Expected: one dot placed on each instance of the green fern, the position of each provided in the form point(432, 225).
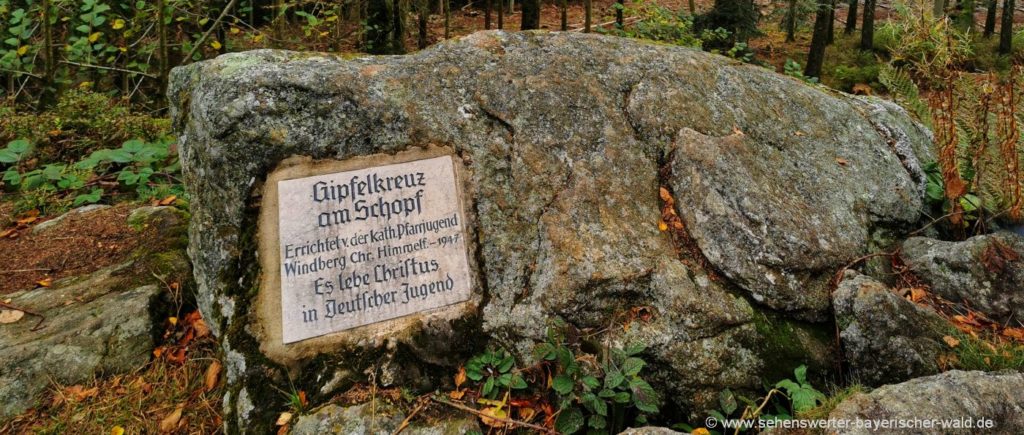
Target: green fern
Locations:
point(899, 83)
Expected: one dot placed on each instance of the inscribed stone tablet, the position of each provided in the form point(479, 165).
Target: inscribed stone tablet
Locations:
point(368, 245)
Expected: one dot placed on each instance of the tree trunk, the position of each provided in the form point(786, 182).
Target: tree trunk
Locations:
point(565, 15)
point(851, 18)
point(790, 22)
point(938, 8)
point(619, 8)
point(48, 95)
point(423, 14)
point(693, 7)
point(816, 56)
point(831, 23)
point(964, 15)
point(587, 10)
point(385, 28)
point(990, 18)
point(531, 15)
point(501, 14)
point(161, 46)
point(279, 23)
point(487, 14)
point(1006, 32)
point(447, 19)
point(867, 31)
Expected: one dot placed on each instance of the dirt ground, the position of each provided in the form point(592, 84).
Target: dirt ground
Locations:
point(81, 244)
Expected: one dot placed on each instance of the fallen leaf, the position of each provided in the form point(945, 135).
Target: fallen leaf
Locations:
point(170, 422)
point(736, 131)
point(527, 414)
point(302, 399)
point(665, 195)
point(917, 294)
point(6, 232)
point(201, 329)
point(700, 431)
point(457, 394)
point(27, 220)
point(662, 226)
point(1014, 333)
point(173, 320)
point(841, 161)
point(11, 316)
point(460, 377)
point(80, 393)
point(861, 89)
point(213, 375)
point(168, 200)
point(488, 415)
point(284, 418)
point(951, 341)
point(158, 352)
point(117, 430)
point(45, 282)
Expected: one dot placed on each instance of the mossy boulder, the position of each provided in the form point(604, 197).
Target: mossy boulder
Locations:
point(101, 323)
point(566, 141)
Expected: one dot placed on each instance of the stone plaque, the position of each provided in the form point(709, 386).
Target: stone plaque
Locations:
point(369, 245)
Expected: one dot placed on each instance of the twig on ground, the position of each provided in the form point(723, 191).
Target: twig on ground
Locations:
point(535, 427)
point(41, 317)
point(38, 269)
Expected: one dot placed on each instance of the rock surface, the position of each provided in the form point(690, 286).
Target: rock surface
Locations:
point(886, 338)
point(985, 272)
point(382, 419)
point(565, 139)
point(96, 324)
point(953, 395)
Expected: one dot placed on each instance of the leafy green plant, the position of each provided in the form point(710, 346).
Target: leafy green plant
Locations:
point(802, 395)
point(600, 396)
point(792, 68)
point(493, 371)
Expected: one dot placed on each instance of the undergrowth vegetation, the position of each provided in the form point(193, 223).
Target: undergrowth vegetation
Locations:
point(87, 150)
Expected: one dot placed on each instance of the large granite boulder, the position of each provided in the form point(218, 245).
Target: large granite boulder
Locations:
point(102, 323)
point(951, 402)
point(565, 141)
point(985, 272)
point(886, 338)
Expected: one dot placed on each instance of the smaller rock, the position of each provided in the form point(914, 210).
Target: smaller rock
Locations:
point(384, 419)
point(163, 218)
point(886, 338)
point(985, 272)
point(649, 430)
point(948, 398)
point(57, 220)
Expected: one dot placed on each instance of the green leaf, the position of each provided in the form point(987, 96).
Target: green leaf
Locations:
point(606, 393)
point(562, 384)
point(599, 406)
point(506, 364)
point(505, 379)
point(727, 401)
point(591, 382)
point(88, 198)
point(632, 366)
point(569, 421)
point(8, 156)
point(545, 350)
point(12, 177)
point(597, 422)
point(53, 172)
point(518, 382)
point(644, 397)
point(19, 146)
point(621, 397)
point(488, 386)
point(635, 348)
point(613, 378)
point(801, 374)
